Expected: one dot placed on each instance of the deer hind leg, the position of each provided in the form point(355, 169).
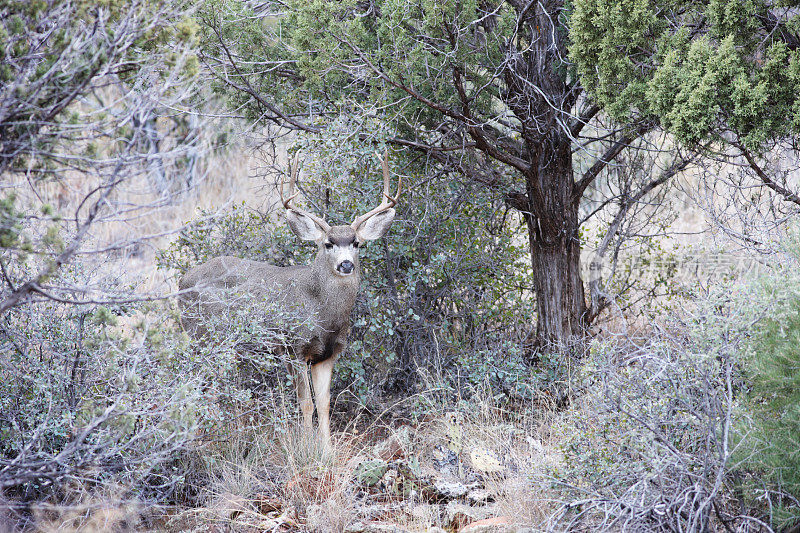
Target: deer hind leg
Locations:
point(303, 388)
point(321, 374)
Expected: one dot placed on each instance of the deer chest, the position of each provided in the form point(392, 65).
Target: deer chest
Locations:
point(323, 347)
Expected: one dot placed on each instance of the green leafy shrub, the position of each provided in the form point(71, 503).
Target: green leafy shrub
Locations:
point(87, 402)
point(773, 395)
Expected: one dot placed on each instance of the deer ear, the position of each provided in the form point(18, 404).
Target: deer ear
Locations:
point(303, 226)
point(375, 226)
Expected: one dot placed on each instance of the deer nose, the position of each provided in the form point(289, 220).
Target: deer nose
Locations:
point(346, 267)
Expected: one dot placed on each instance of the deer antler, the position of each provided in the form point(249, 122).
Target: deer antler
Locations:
point(293, 168)
point(387, 202)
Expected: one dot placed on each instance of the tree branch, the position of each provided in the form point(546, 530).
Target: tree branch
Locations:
point(583, 120)
point(479, 136)
point(23, 292)
point(602, 162)
point(599, 300)
point(788, 195)
point(247, 88)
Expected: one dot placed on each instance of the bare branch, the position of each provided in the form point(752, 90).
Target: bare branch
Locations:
point(787, 195)
point(599, 300)
point(602, 162)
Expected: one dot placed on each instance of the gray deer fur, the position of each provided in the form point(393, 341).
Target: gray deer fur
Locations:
point(315, 299)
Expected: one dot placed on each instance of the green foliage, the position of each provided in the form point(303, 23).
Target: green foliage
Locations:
point(330, 44)
point(56, 52)
point(10, 222)
point(370, 472)
point(241, 232)
point(448, 282)
point(500, 367)
point(699, 68)
point(773, 372)
point(235, 23)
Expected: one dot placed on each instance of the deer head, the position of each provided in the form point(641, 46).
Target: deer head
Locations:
point(338, 246)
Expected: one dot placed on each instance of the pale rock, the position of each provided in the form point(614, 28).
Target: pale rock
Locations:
point(485, 460)
point(267, 524)
point(373, 527)
point(388, 480)
point(443, 456)
point(449, 490)
point(535, 444)
point(498, 524)
point(479, 496)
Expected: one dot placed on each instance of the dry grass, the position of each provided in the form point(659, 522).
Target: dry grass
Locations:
point(281, 476)
point(513, 452)
point(286, 479)
point(262, 472)
point(86, 511)
point(275, 477)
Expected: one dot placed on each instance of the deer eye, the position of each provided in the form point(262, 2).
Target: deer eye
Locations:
point(328, 245)
point(355, 244)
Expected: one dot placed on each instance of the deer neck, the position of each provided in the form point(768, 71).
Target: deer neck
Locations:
point(336, 294)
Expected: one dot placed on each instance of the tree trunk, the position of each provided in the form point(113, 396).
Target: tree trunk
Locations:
point(552, 221)
point(560, 304)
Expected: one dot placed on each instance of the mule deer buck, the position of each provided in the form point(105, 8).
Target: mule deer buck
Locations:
point(321, 295)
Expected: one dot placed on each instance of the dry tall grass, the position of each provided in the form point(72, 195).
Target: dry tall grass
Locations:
point(283, 478)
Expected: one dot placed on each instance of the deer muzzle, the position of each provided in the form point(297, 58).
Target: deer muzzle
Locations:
point(346, 267)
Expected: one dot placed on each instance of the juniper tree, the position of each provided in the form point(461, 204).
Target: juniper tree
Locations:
point(721, 74)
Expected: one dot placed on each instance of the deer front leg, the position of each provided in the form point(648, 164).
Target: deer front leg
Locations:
point(303, 388)
point(321, 374)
